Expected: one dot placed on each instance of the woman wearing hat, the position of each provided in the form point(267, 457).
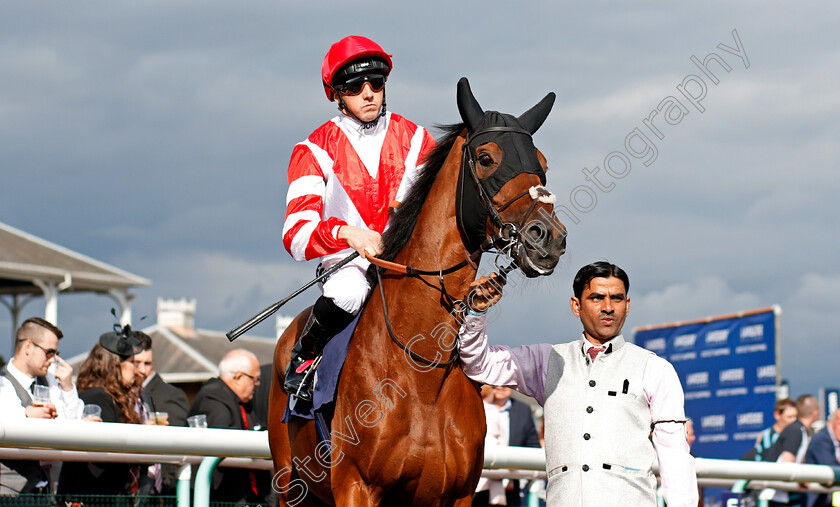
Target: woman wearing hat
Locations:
point(106, 378)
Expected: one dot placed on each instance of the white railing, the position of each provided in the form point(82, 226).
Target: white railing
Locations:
point(139, 438)
point(186, 445)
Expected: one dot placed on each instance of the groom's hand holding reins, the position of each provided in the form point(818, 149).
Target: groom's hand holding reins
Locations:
point(366, 242)
point(485, 292)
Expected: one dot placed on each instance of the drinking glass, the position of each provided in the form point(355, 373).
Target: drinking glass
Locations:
point(92, 411)
point(161, 418)
point(41, 396)
point(197, 421)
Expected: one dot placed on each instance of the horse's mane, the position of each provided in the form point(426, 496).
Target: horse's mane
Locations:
point(405, 217)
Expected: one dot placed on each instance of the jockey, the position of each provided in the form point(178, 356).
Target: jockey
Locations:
point(342, 180)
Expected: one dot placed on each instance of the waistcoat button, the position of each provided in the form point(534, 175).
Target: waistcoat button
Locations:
point(585, 468)
point(591, 383)
point(589, 410)
point(586, 436)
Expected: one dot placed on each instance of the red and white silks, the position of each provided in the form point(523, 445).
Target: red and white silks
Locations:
point(346, 175)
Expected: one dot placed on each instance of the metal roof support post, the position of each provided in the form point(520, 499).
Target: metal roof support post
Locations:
point(51, 290)
point(14, 308)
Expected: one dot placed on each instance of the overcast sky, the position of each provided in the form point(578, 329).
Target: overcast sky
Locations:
point(155, 136)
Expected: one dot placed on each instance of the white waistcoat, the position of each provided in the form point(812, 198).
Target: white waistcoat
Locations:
point(597, 427)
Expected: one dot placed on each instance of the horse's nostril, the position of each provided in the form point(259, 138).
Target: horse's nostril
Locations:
point(536, 233)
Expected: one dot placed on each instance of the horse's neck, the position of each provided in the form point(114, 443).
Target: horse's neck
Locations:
point(436, 243)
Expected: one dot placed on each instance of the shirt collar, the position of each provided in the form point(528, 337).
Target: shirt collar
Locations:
point(354, 127)
point(22, 378)
point(149, 379)
point(610, 346)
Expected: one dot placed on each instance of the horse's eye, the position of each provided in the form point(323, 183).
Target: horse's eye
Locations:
point(485, 160)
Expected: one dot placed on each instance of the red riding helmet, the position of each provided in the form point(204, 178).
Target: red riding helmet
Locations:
point(348, 49)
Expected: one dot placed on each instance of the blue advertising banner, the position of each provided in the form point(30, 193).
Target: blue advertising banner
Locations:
point(728, 369)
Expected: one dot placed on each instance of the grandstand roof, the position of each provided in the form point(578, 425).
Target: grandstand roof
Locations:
point(25, 258)
point(193, 355)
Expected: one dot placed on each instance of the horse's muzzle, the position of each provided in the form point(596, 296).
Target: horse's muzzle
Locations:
point(540, 249)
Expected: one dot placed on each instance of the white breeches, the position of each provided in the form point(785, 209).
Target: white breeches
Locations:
point(347, 287)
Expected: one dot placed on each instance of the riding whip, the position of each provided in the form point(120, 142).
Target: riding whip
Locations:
point(268, 312)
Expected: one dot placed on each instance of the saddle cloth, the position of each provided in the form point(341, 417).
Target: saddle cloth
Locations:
point(326, 379)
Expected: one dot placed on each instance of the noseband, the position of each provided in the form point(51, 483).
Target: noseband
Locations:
point(507, 240)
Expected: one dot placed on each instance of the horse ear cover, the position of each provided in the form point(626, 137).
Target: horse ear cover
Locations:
point(468, 107)
point(533, 118)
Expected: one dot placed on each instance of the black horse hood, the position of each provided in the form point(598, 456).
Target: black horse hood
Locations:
point(519, 155)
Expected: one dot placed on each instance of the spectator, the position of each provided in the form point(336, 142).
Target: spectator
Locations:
point(791, 445)
point(36, 349)
point(158, 396)
point(784, 413)
point(516, 428)
point(225, 402)
point(824, 449)
point(795, 437)
point(491, 491)
point(106, 379)
point(261, 392)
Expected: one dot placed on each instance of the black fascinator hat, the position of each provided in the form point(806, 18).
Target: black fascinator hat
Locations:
point(120, 342)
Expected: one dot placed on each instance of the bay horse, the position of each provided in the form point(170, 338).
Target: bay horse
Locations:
point(408, 426)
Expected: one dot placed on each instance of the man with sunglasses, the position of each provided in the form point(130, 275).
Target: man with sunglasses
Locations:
point(342, 181)
point(36, 349)
point(36, 344)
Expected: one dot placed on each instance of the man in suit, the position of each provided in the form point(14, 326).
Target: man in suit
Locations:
point(515, 428)
point(260, 401)
point(225, 400)
point(158, 396)
point(824, 449)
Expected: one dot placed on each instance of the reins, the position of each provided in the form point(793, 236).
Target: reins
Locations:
point(506, 239)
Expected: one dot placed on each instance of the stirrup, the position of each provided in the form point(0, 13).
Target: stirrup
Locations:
point(305, 384)
point(308, 380)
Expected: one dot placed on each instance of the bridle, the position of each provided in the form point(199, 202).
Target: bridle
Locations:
point(505, 241)
point(509, 234)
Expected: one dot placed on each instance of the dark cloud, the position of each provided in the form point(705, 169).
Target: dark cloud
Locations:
point(155, 136)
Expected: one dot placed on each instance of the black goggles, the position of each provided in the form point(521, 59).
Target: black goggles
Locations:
point(354, 85)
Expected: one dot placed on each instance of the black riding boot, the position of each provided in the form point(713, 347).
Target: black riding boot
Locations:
point(324, 322)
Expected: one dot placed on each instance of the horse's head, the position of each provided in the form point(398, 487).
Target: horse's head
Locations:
point(502, 201)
